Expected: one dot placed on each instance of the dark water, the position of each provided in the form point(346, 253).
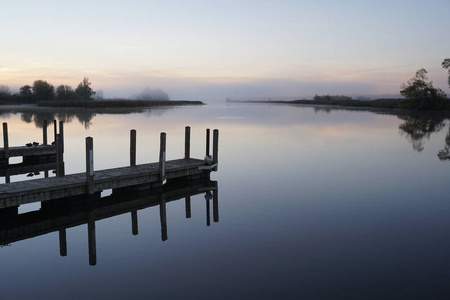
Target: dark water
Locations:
point(310, 204)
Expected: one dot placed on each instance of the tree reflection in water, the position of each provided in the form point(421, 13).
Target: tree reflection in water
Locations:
point(419, 126)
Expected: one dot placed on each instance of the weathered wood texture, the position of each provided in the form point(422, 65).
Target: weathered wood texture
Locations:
point(43, 189)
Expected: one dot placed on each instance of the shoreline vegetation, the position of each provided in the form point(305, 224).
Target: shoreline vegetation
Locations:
point(117, 103)
point(384, 103)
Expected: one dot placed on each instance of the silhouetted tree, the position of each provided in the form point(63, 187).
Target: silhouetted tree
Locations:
point(42, 91)
point(84, 90)
point(446, 65)
point(65, 92)
point(5, 92)
point(26, 93)
point(420, 93)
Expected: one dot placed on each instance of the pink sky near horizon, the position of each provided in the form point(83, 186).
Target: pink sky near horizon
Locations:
point(214, 49)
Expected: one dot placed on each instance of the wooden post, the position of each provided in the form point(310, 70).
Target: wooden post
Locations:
point(91, 239)
point(55, 129)
point(215, 147)
point(162, 156)
point(215, 205)
point(5, 140)
point(62, 242)
point(187, 142)
point(59, 157)
point(187, 202)
point(44, 133)
point(163, 218)
point(89, 165)
point(207, 141)
point(134, 222)
point(61, 133)
point(132, 147)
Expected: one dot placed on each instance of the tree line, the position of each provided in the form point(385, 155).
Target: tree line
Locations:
point(41, 90)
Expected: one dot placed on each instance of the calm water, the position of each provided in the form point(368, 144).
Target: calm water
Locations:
point(312, 204)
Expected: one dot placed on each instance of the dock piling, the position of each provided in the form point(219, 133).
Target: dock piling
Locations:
point(59, 156)
point(55, 129)
point(89, 165)
point(132, 147)
point(187, 142)
point(207, 141)
point(44, 133)
point(215, 147)
point(5, 140)
point(61, 133)
point(162, 156)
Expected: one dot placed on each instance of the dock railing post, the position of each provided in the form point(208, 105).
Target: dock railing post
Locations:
point(89, 165)
point(215, 147)
point(132, 147)
point(207, 141)
point(162, 156)
point(187, 142)
point(44, 133)
point(59, 156)
point(5, 140)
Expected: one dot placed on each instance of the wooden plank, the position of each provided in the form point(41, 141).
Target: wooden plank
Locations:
point(17, 193)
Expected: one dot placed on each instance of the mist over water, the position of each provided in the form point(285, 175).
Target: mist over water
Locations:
point(313, 203)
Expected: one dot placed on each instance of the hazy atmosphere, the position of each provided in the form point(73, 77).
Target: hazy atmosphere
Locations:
point(211, 50)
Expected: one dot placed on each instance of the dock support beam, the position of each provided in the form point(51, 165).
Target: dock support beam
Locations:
point(215, 147)
point(162, 157)
point(61, 133)
point(187, 142)
point(89, 165)
point(132, 147)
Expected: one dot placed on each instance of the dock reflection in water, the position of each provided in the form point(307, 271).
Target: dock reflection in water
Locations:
point(59, 215)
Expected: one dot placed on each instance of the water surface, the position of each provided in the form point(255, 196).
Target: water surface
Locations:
point(313, 204)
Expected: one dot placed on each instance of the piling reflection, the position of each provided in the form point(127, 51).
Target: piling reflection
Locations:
point(61, 214)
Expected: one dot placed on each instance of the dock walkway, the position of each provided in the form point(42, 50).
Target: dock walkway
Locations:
point(134, 176)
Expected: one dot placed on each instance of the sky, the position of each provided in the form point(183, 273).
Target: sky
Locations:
point(211, 50)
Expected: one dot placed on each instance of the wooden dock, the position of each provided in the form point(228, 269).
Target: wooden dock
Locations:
point(58, 216)
point(33, 151)
point(90, 182)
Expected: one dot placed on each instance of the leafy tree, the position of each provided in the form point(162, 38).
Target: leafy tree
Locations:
point(446, 65)
point(420, 93)
point(84, 91)
point(26, 93)
point(42, 90)
point(65, 92)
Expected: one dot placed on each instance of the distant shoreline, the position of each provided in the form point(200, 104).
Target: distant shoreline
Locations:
point(117, 103)
point(391, 103)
